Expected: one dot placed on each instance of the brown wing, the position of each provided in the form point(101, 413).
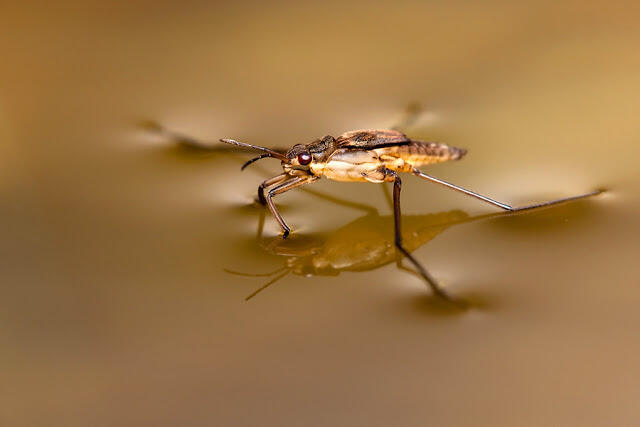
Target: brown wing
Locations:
point(370, 139)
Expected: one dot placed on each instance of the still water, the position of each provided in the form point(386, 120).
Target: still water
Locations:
point(141, 284)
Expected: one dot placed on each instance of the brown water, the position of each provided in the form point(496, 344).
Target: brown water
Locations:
point(118, 304)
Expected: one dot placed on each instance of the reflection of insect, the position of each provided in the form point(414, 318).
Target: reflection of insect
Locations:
point(364, 156)
point(362, 245)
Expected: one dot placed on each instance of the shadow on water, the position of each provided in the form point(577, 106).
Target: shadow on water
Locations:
point(434, 306)
point(188, 147)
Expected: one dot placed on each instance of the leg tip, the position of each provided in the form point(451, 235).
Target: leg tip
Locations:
point(285, 234)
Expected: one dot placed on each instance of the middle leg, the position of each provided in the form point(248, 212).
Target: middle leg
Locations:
point(397, 216)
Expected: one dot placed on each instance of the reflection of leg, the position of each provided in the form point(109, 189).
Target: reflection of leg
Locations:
point(239, 273)
point(260, 225)
point(424, 275)
point(397, 216)
point(501, 205)
point(281, 188)
point(266, 285)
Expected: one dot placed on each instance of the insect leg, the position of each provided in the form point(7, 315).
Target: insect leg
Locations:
point(501, 205)
point(397, 217)
point(281, 188)
point(269, 182)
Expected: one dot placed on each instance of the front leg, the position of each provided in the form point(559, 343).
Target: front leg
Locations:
point(269, 182)
point(281, 188)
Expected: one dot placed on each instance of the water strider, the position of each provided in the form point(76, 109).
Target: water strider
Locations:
point(375, 156)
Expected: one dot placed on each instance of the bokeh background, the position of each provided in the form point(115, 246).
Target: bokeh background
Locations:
point(116, 302)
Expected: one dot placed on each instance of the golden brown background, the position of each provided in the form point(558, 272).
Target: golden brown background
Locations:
point(115, 309)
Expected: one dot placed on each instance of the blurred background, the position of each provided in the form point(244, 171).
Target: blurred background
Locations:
point(118, 302)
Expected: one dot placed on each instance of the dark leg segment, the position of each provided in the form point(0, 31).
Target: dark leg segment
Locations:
point(281, 188)
point(267, 183)
point(397, 216)
point(501, 205)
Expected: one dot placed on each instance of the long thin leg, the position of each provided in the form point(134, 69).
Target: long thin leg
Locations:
point(397, 217)
point(437, 290)
point(501, 205)
point(269, 182)
point(281, 188)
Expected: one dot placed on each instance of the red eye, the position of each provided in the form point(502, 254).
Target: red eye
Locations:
point(304, 158)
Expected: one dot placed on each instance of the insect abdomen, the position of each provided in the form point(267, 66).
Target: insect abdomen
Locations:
point(417, 153)
point(351, 166)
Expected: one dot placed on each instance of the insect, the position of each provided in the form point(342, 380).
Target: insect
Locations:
point(374, 156)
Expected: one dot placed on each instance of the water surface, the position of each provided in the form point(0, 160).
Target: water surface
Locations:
point(119, 304)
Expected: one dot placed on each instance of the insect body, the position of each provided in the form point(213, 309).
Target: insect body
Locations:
point(365, 156)
point(349, 162)
point(357, 156)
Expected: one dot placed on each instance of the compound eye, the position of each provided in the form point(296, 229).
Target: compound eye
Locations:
point(304, 158)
